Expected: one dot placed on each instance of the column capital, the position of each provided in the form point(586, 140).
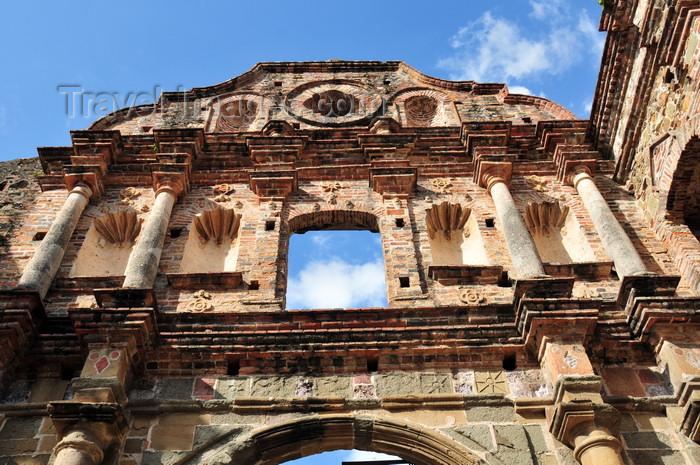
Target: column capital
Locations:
point(571, 170)
point(87, 183)
point(488, 173)
point(175, 183)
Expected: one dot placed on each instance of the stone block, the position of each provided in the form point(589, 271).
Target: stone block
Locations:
point(47, 390)
point(273, 386)
point(20, 427)
point(397, 384)
point(436, 383)
point(491, 414)
point(647, 440)
point(656, 457)
point(175, 431)
point(177, 388)
point(14, 447)
point(231, 388)
point(474, 437)
point(330, 386)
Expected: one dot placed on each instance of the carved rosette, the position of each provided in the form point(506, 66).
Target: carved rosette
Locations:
point(545, 217)
point(219, 225)
point(119, 228)
point(200, 302)
point(446, 217)
point(441, 185)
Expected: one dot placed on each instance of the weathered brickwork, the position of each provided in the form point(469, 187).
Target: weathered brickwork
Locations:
point(541, 271)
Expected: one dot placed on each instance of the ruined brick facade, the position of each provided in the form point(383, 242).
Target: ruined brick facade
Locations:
point(541, 271)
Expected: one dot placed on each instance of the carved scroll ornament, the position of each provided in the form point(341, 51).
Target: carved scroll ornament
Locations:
point(219, 225)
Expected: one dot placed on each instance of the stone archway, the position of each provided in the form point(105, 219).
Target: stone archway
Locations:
point(308, 436)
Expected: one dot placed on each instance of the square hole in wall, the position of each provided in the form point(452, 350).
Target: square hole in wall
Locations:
point(335, 269)
point(490, 222)
point(39, 236)
point(404, 281)
point(270, 225)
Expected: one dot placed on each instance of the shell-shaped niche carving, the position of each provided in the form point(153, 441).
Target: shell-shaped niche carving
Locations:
point(446, 217)
point(237, 113)
point(119, 228)
point(421, 110)
point(218, 225)
point(545, 217)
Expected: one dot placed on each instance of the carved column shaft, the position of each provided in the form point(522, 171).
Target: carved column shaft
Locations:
point(526, 260)
point(615, 240)
point(142, 267)
point(78, 447)
point(43, 266)
point(595, 446)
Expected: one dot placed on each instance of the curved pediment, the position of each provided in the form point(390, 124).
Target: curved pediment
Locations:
point(331, 94)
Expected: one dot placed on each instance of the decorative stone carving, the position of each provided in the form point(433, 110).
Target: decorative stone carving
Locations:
point(332, 199)
point(421, 110)
point(219, 225)
point(120, 227)
point(536, 183)
point(331, 186)
point(491, 382)
point(545, 217)
point(446, 217)
point(128, 194)
point(470, 296)
point(223, 188)
point(200, 302)
point(349, 205)
point(442, 185)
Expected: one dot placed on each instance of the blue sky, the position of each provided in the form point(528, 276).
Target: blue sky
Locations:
point(549, 48)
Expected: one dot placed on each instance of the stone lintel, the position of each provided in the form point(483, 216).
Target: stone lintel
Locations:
point(488, 172)
point(180, 140)
point(273, 184)
point(649, 284)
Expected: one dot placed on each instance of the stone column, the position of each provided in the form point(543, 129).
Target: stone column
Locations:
point(596, 446)
point(579, 417)
point(43, 266)
point(615, 240)
point(526, 260)
point(78, 447)
point(142, 266)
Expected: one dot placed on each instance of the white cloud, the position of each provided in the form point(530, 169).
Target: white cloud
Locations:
point(320, 240)
point(337, 284)
point(494, 49)
point(519, 90)
point(366, 456)
point(588, 105)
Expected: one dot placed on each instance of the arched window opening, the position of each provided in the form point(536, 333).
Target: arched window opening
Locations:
point(335, 260)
